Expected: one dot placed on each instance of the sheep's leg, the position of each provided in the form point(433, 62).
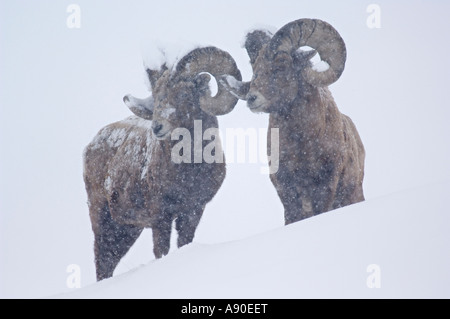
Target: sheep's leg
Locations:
point(323, 198)
point(289, 195)
point(186, 224)
point(112, 242)
point(292, 202)
point(349, 196)
point(293, 212)
point(161, 237)
point(301, 203)
point(323, 195)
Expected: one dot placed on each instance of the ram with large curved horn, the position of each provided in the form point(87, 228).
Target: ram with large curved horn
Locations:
point(321, 164)
point(132, 179)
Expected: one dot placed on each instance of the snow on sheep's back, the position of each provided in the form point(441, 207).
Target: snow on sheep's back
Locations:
point(391, 247)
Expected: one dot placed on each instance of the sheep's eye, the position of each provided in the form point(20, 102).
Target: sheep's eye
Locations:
point(280, 66)
point(183, 94)
point(114, 197)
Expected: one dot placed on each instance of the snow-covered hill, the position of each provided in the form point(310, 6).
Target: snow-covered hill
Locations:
point(60, 85)
point(397, 246)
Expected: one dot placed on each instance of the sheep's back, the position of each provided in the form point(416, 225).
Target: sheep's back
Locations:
point(117, 160)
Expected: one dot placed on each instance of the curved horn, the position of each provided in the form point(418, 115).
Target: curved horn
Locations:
point(218, 63)
point(322, 37)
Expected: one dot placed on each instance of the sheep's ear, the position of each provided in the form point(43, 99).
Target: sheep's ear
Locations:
point(255, 41)
point(140, 107)
point(154, 75)
point(306, 55)
point(202, 81)
point(302, 59)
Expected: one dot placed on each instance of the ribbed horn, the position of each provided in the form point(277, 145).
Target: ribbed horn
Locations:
point(318, 35)
point(218, 63)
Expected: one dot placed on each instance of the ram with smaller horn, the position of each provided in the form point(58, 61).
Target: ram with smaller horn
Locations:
point(321, 162)
point(132, 182)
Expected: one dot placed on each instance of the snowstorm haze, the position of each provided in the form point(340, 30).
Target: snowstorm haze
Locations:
point(59, 86)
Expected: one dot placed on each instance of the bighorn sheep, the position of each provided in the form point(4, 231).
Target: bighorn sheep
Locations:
point(321, 164)
point(130, 179)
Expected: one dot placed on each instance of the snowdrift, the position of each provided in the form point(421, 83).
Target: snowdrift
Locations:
point(397, 246)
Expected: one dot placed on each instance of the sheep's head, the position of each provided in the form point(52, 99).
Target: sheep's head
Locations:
point(282, 72)
point(178, 95)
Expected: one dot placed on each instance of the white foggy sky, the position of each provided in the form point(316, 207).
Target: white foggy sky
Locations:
point(60, 86)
